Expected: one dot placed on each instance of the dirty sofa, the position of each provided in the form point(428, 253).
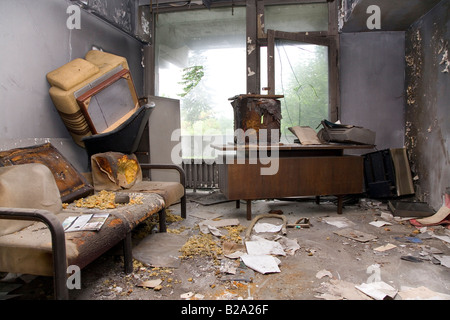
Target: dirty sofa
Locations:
point(33, 241)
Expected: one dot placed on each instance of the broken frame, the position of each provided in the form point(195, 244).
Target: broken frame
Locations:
point(103, 116)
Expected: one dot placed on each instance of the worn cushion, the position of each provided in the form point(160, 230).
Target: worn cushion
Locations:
point(115, 171)
point(27, 186)
point(29, 251)
point(172, 192)
point(71, 74)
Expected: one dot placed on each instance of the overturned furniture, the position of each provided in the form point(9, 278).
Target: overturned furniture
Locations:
point(98, 103)
point(94, 95)
point(27, 246)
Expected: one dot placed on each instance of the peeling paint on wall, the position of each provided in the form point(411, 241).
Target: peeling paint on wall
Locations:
point(413, 66)
point(426, 113)
point(445, 61)
point(345, 11)
point(250, 49)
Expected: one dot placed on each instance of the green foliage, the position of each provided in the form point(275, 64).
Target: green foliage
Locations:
point(305, 90)
point(304, 86)
point(191, 77)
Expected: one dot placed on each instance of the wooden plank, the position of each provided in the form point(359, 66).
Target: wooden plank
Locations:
point(403, 177)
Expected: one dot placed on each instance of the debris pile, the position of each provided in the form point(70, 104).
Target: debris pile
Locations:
point(106, 200)
point(223, 259)
point(201, 245)
point(410, 247)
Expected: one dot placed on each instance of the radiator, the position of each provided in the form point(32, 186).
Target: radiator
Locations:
point(201, 175)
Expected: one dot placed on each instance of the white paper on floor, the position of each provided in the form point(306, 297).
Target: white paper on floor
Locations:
point(444, 260)
point(266, 227)
point(263, 264)
point(340, 222)
point(264, 247)
point(378, 290)
point(379, 223)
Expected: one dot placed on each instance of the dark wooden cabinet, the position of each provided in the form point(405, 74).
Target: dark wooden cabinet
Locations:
point(301, 171)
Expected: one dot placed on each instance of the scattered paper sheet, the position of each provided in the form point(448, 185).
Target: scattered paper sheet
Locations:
point(266, 227)
point(263, 264)
point(264, 247)
point(340, 222)
point(306, 135)
point(442, 213)
point(444, 260)
point(85, 222)
point(289, 245)
point(215, 231)
point(340, 290)
point(443, 238)
point(378, 290)
point(386, 247)
point(228, 266)
point(233, 250)
point(150, 283)
point(187, 295)
point(380, 223)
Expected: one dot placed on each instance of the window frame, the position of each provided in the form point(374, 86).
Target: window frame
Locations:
point(329, 38)
point(257, 38)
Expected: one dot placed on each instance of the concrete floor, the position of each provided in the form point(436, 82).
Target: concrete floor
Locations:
point(342, 262)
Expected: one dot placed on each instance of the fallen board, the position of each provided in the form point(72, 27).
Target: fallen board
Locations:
point(410, 209)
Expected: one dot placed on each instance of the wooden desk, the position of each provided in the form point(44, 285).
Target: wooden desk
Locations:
point(303, 170)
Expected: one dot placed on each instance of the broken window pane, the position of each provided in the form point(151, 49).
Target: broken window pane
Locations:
point(296, 18)
point(301, 75)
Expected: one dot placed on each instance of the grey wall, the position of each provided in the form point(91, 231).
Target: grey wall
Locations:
point(35, 40)
point(372, 68)
point(428, 100)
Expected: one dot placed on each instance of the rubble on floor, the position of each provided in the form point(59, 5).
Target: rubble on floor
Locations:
point(299, 251)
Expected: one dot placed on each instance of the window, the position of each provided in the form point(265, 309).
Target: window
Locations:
point(200, 59)
point(298, 59)
point(296, 17)
point(301, 75)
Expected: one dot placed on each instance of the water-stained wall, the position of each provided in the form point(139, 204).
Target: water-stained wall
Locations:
point(427, 127)
point(36, 39)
